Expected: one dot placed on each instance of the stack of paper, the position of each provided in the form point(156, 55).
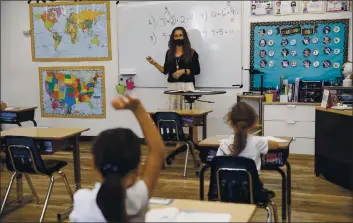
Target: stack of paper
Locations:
point(176, 215)
point(162, 215)
point(187, 216)
point(161, 201)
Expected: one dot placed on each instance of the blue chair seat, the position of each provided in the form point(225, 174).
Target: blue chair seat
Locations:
point(53, 166)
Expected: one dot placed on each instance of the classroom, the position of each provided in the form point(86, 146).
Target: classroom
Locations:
point(176, 111)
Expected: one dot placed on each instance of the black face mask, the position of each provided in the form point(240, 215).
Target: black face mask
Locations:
point(179, 42)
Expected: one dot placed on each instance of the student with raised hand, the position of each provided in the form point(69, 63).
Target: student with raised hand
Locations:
point(120, 196)
point(242, 118)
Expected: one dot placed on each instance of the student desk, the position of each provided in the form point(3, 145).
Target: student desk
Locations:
point(196, 117)
point(22, 114)
point(274, 160)
point(239, 212)
point(57, 136)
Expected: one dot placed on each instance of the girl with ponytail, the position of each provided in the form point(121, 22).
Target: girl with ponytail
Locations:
point(242, 118)
point(120, 197)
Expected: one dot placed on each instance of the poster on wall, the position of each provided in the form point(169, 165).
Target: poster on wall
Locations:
point(72, 92)
point(70, 31)
point(313, 6)
point(338, 6)
point(286, 7)
point(261, 8)
point(309, 50)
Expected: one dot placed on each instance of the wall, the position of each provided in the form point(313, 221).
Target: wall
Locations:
point(20, 83)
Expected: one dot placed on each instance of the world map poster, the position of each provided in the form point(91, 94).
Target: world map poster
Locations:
point(70, 31)
point(72, 92)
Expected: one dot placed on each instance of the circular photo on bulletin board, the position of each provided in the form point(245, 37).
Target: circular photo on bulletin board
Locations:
point(309, 50)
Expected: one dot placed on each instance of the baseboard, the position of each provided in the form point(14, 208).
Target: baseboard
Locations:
point(92, 138)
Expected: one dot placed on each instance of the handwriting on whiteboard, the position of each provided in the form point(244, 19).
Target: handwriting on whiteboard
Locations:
point(168, 20)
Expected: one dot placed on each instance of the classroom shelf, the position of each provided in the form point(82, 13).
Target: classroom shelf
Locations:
point(338, 88)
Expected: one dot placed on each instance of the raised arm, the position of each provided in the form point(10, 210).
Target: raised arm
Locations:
point(153, 138)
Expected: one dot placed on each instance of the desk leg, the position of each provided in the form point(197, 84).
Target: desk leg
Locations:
point(19, 186)
point(284, 194)
point(202, 176)
point(204, 127)
point(289, 190)
point(34, 122)
point(77, 165)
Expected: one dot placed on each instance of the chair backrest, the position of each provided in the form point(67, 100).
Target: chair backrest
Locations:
point(170, 126)
point(22, 155)
point(234, 179)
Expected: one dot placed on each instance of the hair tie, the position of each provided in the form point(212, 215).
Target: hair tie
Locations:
point(110, 168)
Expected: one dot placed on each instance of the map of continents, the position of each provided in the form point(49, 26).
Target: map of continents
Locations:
point(72, 92)
point(70, 31)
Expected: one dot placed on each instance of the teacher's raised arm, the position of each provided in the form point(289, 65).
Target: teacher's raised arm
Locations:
point(181, 65)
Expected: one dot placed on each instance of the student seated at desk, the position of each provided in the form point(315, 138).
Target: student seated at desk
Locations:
point(116, 157)
point(242, 118)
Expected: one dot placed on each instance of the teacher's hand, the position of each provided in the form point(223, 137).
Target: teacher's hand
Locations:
point(150, 60)
point(178, 73)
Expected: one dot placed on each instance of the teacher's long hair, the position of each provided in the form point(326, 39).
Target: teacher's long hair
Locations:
point(188, 51)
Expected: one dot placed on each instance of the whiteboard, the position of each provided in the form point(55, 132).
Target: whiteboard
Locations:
point(214, 29)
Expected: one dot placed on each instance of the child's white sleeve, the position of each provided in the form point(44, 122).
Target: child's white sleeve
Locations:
point(136, 198)
point(223, 149)
point(262, 145)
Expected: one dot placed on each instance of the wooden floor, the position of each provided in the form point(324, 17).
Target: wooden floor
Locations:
point(313, 199)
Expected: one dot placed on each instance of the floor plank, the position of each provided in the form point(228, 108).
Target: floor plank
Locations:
point(313, 199)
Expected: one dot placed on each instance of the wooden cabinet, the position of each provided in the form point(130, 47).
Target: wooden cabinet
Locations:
point(334, 146)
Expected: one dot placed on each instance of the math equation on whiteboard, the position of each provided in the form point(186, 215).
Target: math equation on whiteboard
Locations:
point(217, 22)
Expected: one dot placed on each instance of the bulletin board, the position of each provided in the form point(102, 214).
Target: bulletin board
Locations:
point(309, 50)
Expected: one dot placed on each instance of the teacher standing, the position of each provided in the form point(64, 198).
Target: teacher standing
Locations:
point(181, 65)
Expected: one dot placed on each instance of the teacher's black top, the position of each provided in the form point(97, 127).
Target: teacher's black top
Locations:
point(193, 66)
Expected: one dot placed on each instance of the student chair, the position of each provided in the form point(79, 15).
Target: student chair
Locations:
point(171, 130)
point(235, 179)
point(23, 158)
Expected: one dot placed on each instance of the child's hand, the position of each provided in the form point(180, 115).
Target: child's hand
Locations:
point(126, 102)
